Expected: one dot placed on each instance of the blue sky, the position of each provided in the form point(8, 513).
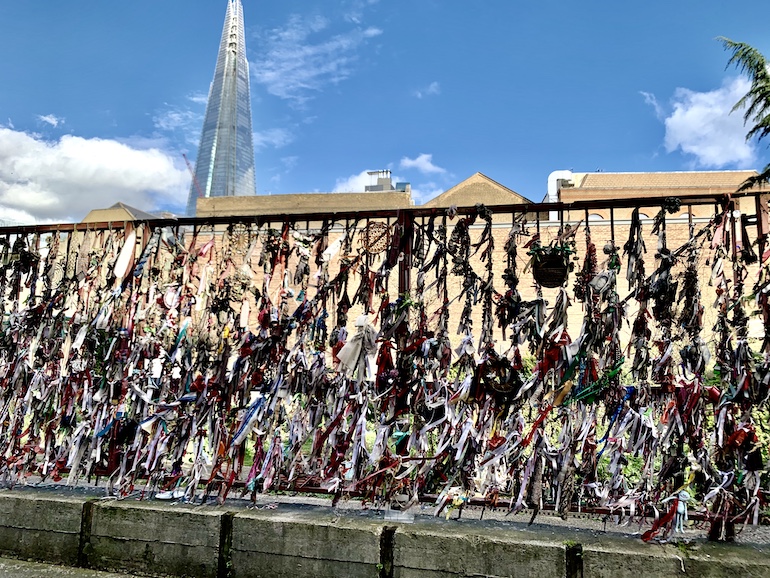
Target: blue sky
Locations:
point(99, 100)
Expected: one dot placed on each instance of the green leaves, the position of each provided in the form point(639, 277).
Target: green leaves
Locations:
point(756, 101)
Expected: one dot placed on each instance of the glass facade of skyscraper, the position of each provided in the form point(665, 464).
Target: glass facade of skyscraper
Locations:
point(225, 164)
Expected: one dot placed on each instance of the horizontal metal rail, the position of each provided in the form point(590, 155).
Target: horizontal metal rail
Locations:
point(720, 200)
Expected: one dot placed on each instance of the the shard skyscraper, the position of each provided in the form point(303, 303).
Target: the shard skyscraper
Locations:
point(225, 164)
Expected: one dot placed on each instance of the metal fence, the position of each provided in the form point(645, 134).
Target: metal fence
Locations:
point(483, 354)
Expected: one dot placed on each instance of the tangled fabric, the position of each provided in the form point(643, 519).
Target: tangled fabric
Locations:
point(415, 359)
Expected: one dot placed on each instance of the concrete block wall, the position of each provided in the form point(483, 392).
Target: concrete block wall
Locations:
point(613, 558)
point(304, 544)
point(40, 527)
point(149, 538)
point(431, 551)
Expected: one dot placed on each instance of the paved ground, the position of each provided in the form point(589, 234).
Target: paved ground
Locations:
point(20, 569)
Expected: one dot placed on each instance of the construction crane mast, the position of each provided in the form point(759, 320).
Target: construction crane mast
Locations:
point(192, 172)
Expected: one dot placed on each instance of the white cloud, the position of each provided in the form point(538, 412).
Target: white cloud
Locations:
point(357, 183)
point(185, 122)
point(12, 217)
point(650, 99)
point(423, 163)
point(10, 123)
point(290, 162)
point(356, 10)
point(294, 65)
point(156, 141)
point(701, 126)
point(62, 180)
point(424, 192)
point(287, 165)
point(174, 119)
point(432, 89)
point(50, 119)
point(198, 97)
point(353, 183)
point(272, 137)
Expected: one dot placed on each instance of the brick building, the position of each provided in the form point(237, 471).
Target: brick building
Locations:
point(565, 188)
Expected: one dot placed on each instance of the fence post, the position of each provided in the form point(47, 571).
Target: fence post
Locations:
point(760, 204)
point(406, 227)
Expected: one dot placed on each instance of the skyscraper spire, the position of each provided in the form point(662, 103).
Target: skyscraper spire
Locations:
point(225, 164)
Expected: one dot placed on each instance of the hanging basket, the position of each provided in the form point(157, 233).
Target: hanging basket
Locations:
point(551, 269)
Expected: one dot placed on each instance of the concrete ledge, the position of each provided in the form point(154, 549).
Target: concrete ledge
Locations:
point(433, 550)
point(295, 541)
point(615, 557)
point(297, 544)
point(155, 539)
point(40, 527)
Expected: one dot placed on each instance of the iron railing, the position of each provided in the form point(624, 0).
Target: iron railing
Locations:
point(502, 366)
